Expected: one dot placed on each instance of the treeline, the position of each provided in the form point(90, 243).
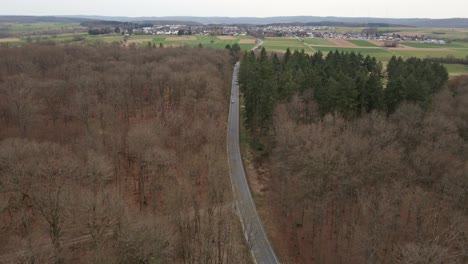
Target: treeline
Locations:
point(103, 31)
point(346, 84)
point(101, 24)
point(376, 189)
point(360, 164)
point(234, 51)
point(107, 27)
point(115, 155)
point(413, 80)
point(450, 60)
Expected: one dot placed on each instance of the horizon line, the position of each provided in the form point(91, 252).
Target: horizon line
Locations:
point(259, 17)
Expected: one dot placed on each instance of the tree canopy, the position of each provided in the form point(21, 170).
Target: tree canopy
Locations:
point(345, 84)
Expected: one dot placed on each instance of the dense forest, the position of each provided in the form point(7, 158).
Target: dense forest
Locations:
point(115, 155)
point(344, 84)
point(364, 164)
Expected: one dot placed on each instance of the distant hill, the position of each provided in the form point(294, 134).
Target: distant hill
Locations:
point(412, 22)
point(90, 19)
point(36, 19)
point(153, 20)
point(191, 20)
point(172, 22)
point(338, 24)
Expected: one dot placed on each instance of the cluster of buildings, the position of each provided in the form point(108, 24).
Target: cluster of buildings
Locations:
point(390, 39)
point(303, 31)
point(191, 30)
point(420, 39)
point(335, 35)
point(289, 30)
point(434, 41)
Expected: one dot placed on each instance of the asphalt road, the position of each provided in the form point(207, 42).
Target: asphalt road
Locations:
point(255, 235)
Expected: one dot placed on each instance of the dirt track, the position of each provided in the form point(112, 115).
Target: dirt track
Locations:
point(342, 43)
point(139, 40)
point(226, 37)
point(247, 41)
point(377, 42)
point(3, 40)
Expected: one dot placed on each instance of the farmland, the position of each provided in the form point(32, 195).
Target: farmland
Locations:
point(380, 54)
point(318, 42)
point(409, 49)
point(362, 43)
point(445, 33)
point(456, 45)
point(456, 69)
point(37, 27)
point(281, 44)
point(425, 53)
point(205, 41)
point(276, 44)
point(245, 42)
point(73, 33)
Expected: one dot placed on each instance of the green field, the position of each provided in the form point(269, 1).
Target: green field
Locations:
point(318, 42)
point(455, 49)
point(84, 38)
point(456, 69)
point(103, 38)
point(61, 38)
point(457, 53)
point(206, 41)
point(456, 45)
point(381, 54)
point(11, 42)
point(37, 27)
point(79, 38)
point(378, 53)
point(356, 50)
point(361, 43)
point(280, 44)
point(438, 33)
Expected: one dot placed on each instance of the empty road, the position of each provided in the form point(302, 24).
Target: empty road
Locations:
point(259, 43)
point(261, 249)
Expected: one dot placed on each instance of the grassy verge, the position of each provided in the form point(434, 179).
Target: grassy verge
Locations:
point(355, 50)
point(456, 69)
point(361, 43)
point(248, 154)
point(435, 46)
point(243, 133)
point(318, 42)
point(459, 53)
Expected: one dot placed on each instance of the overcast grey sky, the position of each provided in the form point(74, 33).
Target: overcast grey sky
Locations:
point(237, 8)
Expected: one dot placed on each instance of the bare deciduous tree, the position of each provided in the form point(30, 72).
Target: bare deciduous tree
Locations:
point(44, 172)
point(19, 92)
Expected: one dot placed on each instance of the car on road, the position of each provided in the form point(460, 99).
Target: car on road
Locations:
point(232, 101)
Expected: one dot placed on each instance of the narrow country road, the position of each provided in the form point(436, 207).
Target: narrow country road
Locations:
point(255, 235)
point(259, 43)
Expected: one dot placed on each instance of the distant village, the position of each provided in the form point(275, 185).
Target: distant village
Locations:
point(302, 31)
point(191, 30)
